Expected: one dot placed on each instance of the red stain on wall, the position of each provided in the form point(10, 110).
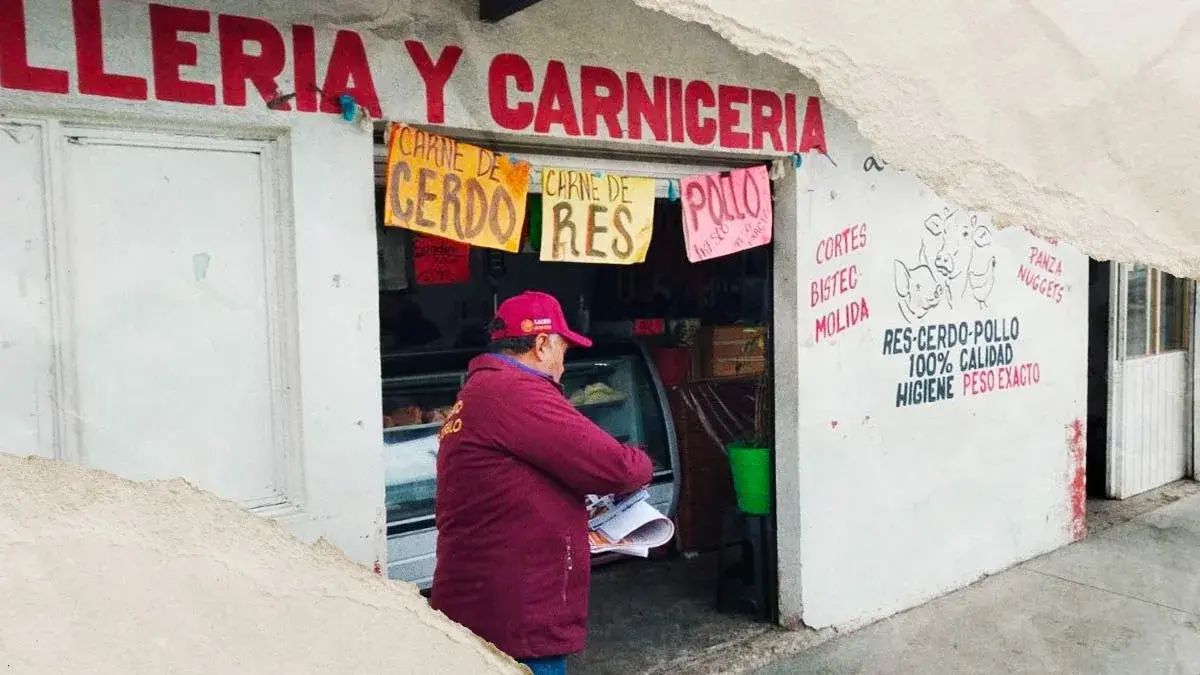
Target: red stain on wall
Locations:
point(378, 568)
point(1077, 478)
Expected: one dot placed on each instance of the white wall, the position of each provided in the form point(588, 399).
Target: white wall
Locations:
point(788, 334)
point(326, 178)
point(398, 35)
point(899, 504)
point(892, 506)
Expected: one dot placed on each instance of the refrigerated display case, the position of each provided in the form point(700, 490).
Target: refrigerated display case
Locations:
point(614, 383)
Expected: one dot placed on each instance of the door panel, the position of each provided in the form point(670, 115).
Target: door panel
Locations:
point(1150, 400)
point(171, 322)
point(1154, 424)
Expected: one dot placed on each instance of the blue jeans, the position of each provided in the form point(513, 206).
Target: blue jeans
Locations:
point(550, 665)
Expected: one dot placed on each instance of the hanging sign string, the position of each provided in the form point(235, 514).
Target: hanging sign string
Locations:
point(673, 184)
point(348, 107)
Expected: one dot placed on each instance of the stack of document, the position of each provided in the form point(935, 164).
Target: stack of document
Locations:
point(628, 525)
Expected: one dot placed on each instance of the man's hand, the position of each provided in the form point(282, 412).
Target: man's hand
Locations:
point(622, 497)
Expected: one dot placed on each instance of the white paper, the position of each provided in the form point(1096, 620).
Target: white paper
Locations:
point(630, 526)
point(603, 509)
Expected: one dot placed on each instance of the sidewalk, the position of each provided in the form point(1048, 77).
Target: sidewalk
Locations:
point(1126, 600)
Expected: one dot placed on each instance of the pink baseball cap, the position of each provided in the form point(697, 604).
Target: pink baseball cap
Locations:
point(533, 313)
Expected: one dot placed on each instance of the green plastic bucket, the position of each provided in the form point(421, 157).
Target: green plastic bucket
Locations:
point(751, 468)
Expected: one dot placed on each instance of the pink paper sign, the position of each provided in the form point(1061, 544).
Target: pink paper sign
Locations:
point(725, 213)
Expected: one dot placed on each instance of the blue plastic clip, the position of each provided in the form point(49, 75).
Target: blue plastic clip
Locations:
point(797, 160)
point(672, 190)
point(349, 107)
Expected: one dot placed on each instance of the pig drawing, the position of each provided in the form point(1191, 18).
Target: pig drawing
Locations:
point(955, 236)
point(919, 290)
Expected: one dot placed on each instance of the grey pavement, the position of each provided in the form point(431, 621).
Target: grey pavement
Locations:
point(1125, 600)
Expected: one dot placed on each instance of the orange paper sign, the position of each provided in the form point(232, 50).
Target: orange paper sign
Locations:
point(437, 185)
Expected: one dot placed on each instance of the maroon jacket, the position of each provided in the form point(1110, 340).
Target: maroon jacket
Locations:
point(513, 467)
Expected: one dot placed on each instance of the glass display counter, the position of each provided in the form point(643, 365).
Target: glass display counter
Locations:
point(613, 383)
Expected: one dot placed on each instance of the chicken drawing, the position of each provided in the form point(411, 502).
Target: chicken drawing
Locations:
point(981, 282)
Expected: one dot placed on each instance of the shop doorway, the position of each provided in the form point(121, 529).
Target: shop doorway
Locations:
point(681, 367)
point(1141, 372)
point(1099, 363)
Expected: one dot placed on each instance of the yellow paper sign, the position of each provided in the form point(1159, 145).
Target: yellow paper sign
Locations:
point(596, 217)
point(437, 185)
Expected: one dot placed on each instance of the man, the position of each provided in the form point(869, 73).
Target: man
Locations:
point(515, 462)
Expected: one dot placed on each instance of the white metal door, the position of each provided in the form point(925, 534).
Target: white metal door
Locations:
point(1150, 392)
point(171, 277)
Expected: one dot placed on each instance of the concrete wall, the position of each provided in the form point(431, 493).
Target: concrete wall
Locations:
point(132, 76)
point(914, 482)
point(788, 334)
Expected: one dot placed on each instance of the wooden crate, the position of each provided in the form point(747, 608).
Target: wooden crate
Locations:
point(733, 351)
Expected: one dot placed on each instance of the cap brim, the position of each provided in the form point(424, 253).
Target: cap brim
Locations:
point(575, 339)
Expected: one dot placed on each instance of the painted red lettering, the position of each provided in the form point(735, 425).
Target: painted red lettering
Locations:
point(169, 53)
point(238, 66)
point(730, 118)
point(697, 95)
point(304, 55)
point(766, 115)
point(435, 74)
point(838, 283)
point(1044, 261)
point(555, 105)
point(789, 120)
point(643, 108)
point(979, 382)
point(838, 321)
point(349, 73)
point(812, 136)
point(847, 241)
point(15, 71)
point(504, 67)
point(594, 105)
point(89, 55)
point(675, 102)
point(1043, 285)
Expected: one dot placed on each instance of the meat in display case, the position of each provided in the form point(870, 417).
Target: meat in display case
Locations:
point(613, 383)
